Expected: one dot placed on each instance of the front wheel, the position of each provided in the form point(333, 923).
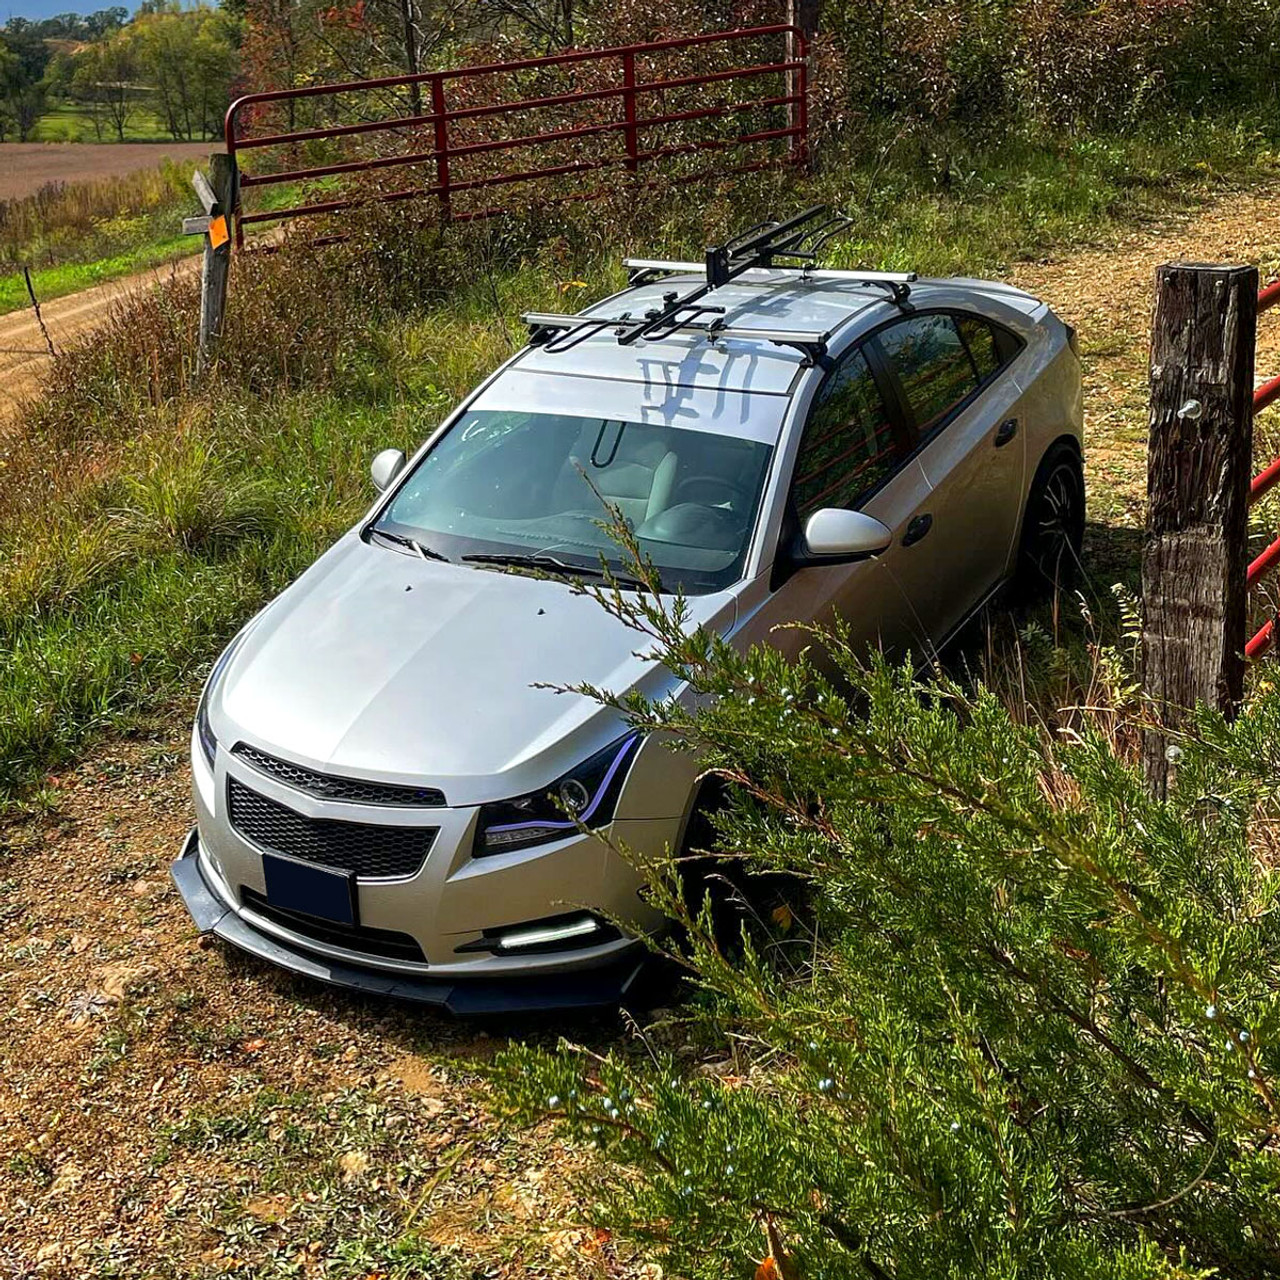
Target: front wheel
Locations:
point(1053, 524)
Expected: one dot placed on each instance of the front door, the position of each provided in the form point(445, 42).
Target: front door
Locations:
point(853, 455)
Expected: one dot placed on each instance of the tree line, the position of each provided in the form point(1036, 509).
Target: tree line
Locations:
point(177, 64)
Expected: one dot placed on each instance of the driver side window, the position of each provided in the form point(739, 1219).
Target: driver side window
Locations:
point(850, 444)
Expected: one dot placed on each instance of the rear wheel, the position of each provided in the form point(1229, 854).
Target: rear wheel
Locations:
point(1053, 525)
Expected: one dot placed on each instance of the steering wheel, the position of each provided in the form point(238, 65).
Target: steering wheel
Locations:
point(721, 487)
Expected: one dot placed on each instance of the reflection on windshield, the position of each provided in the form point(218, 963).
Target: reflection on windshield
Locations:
point(521, 483)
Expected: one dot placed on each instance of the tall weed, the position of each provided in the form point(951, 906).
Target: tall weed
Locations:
point(82, 221)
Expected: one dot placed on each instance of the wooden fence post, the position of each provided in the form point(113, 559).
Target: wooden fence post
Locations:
point(1198, 469)
point(218, 196)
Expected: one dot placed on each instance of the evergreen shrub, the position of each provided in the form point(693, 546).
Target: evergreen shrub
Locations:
point(1021, 1019)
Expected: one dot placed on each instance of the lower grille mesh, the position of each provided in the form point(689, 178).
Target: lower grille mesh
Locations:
point(370, 850)
point(374, 942)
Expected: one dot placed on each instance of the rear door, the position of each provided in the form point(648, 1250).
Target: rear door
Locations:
point(853, 454)
point(947, 369)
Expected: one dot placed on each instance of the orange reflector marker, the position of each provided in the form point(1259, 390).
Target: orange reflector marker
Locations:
point(218, 233)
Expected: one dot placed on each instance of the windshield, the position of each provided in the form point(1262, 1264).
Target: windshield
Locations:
point(514, 483)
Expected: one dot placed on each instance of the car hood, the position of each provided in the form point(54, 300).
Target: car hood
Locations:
point(382, 665)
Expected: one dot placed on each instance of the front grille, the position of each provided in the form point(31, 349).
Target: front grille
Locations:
point(327, 786)
point(360, 937)
point(367, 849)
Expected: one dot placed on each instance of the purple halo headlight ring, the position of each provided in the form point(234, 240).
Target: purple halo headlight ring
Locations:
point(586, 795)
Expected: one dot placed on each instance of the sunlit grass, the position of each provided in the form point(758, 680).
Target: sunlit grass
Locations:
point(57, 282)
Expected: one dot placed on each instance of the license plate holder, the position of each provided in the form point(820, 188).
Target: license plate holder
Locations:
point(315, 891)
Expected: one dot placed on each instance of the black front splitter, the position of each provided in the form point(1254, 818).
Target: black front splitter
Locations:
point(602, 988)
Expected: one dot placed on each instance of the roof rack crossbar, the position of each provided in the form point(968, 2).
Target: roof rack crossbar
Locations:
point(898, 283)
point(799, 237)
point(555, 332)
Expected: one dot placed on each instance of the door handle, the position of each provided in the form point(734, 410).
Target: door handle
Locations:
point(917, 528)
point(1006, 431)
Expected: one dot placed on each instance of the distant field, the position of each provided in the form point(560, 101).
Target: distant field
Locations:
point(71, 123)
point(26, 166)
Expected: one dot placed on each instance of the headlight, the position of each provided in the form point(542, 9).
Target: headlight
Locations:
point(587, 794)
point(204, 730)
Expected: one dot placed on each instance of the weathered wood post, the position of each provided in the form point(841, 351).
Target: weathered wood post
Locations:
point(218, 195)
point(1198, 470)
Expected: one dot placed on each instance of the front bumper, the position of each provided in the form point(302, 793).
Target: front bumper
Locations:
point(601, 987)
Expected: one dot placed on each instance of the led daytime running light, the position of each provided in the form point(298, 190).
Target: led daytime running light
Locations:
point(552, 933)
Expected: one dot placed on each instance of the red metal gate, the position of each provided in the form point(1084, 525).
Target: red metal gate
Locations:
point(1263, 483)
point(616, 112)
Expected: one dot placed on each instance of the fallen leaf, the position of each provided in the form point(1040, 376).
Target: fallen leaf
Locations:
point(354, 1165)
point(414, 1074)
point(269, 1209)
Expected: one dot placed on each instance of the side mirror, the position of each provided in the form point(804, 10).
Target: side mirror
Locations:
point(834, 534)
point(385, 467)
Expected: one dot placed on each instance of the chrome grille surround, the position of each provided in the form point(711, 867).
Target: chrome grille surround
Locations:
point(327, 786)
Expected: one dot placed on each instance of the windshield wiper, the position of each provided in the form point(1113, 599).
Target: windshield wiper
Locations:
point(552, 564)
point(418, 548)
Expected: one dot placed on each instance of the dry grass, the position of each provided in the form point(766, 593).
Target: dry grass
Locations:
point(174, 1110)
point(1107, 293)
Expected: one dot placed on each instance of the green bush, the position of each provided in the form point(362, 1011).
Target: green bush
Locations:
point(1027, 1028)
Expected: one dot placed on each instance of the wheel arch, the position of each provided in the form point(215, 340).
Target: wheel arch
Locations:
point(1066, 440)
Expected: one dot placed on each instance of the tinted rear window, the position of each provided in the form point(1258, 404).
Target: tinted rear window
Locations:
point(932, 364)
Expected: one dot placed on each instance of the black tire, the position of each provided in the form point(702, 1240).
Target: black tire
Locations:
point(1052, 525)
point(739, 898)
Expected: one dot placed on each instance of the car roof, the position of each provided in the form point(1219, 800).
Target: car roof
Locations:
point(759, 299)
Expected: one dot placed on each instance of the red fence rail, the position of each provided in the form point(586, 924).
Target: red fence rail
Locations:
point(628, 94)
point(1268, 393)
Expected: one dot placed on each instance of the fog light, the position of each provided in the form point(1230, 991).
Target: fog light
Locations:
point(546, 934)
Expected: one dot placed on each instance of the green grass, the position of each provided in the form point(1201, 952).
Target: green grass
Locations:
point(57, 282)
point(114, 603)
point(70, 122)
point(142, 239)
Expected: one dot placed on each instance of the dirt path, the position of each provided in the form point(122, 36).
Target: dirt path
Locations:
point(170, 1109)
point(1107, 294)
point(24, 354)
